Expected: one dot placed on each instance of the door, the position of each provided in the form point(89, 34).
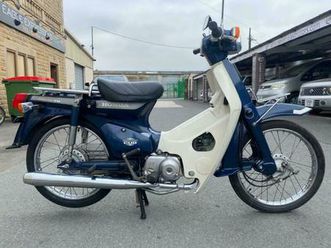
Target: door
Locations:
point(54, 73)
point(79, 77)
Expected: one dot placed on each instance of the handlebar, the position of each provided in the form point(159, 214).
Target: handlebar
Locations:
point(216, 32)
point(196, 51)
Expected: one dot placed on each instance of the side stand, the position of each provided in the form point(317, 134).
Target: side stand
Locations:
point(142, 201)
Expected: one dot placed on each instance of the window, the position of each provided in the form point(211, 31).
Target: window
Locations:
point(19, 64)
point(54, 72)
point(30, 67)
point(11, 65)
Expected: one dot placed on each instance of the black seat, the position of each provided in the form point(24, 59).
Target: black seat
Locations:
point(115, 91)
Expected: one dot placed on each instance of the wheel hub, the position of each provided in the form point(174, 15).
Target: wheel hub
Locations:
point(78, 155)
point(282, 164)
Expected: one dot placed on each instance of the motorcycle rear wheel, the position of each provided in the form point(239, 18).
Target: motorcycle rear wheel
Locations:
point(283, 192)
point(51, 140)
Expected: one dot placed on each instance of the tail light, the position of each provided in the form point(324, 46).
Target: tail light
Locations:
point(18, 100)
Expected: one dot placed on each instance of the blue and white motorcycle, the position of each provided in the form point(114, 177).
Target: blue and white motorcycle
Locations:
point(82, 144)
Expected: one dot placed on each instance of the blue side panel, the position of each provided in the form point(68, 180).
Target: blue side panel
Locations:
point(115, 132)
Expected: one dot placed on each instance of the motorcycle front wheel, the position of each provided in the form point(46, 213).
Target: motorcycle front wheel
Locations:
point(49, 147)
point(300, 169)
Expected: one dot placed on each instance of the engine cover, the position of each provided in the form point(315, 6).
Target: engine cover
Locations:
point(162, 168)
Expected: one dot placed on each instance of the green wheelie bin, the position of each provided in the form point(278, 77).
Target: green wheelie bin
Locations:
point(23, 84)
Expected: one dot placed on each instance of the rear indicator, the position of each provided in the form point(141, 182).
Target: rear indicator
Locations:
point(18, 100)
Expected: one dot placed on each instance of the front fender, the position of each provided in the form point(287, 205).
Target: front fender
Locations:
point(281, 109)
point(231, 160)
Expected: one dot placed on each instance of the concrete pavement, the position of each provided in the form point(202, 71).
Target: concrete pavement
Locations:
point(212, 218)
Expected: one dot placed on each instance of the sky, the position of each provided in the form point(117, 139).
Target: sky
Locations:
point(175, 23)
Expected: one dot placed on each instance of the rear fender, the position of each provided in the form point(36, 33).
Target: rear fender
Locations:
point(35, 119)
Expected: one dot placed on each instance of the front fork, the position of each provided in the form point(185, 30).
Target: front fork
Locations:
point(73, 128)
point(267, 164)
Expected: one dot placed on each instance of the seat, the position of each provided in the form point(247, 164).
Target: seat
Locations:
point(144, 91)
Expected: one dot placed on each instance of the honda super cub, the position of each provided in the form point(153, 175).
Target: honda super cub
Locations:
point(82, 144)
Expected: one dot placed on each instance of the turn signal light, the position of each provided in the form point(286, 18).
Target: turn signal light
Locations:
point(236, 32)
point(18, 100)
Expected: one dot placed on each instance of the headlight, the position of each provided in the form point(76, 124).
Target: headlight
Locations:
point(278, 86)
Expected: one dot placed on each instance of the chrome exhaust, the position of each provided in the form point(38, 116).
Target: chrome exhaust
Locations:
point(47, 179)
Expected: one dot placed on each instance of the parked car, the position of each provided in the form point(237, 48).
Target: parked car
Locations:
point(316, 95)
point(291, 80)
point(120, 78)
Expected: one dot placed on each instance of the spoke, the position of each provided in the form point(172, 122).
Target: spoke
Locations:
point(249, 153)
point(305, 165)
point(277, 143)
point(265, 189)
point(283, 190)
point(277, 186)
point(293, 185)
point(281, 142)
point(298, 182)
point(92, 141)
point(57, 142)
point(75, 191)
point(48, 160)
point(296, 147)
point(280, 145)
point(43, 167)
point(53, 144)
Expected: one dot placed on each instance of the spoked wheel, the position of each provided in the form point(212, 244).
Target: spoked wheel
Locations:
point(2, 115)
point(300, 170)
point(49, 147)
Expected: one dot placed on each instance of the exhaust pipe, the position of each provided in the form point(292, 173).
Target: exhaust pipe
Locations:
point(47, 179)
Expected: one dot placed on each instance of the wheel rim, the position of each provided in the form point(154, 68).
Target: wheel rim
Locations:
point(51, 150)
point(286, 146)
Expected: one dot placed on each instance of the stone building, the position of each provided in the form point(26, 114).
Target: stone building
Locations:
point(32, 41)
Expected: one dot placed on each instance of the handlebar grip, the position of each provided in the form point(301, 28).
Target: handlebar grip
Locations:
point(215, 30)
point(196, 51)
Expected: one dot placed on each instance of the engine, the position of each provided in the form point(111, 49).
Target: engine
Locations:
point(162, 168)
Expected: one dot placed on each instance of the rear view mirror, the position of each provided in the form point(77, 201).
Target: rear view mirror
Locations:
point(206, 23)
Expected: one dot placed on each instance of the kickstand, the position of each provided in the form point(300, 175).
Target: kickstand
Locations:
point(142, 201)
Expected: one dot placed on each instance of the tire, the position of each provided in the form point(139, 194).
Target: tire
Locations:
point(316, 111)
point(293, 98)
point(246, 193)
point(2, 115)
point(50, 192)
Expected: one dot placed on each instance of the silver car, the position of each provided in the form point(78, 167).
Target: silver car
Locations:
point(316, 95)
point(291, 80)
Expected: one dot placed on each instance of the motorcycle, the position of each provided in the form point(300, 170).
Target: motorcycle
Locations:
point(84, 143)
